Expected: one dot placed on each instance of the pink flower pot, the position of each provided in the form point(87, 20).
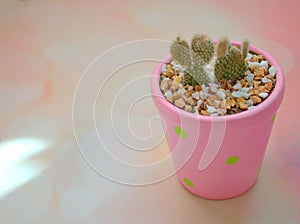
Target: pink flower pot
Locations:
point(218, 157)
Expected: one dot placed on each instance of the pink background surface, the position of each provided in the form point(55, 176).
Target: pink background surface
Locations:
point(45, 47)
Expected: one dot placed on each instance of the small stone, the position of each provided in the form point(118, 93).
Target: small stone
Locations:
point(168, 94)
point(214, 114)
point(177, 79)
point(165, 84)
point(249, 56)
point(255, 99)
point(189, 92)
point(197, 88)
point(180, 103)
point(268, 86)
point(245, 89)
point(238, 94)
point(250, 77)
point(253, 65)
point(265, 80)
point(182, 91)
point(176, 96)
point(196, 95)
point(243, 106)
point(264, 64)
point(237, 86)
point(249, 102)
point(240, 100)
point(272, 71)
point(204, 88)
point(223, 104)
point(204, 112)
point(177, 67)
point(216, 104)
point(263, 95)
point(251, 107)
point(259, 72)
point(260, 57)
point(211, 109)
point(213, 87)
point(221, 94)
point(231, 103)
point(203, 95)
point(189, 100)
point(190, 88)
point(221, 112)
point(199, 102)
point(174, 86)
point(188, 108)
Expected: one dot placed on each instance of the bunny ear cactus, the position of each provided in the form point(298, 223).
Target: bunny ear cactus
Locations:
point(193, 60)
point(196, 71)
point(180, 51)
point(203, 46)
point(230, 60)
point(230, 63)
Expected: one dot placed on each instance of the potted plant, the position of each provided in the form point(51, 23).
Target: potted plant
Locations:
point(218, 100)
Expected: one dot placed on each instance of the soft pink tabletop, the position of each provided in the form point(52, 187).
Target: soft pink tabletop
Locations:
point(80, 141)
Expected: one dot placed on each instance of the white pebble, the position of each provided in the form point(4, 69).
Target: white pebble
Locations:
point(263, 95)
point(213, 87)
point(237, 86)
point(249, 102)
point(180, 85)
point(168, 94)
point(272, 71)
point(250, 77)
point(182, 91)
point(253, 64)
point(246, 89)
point(196, 95)
point(249, 56)
point(214, 114)
point(181, 74)
point(199, 102)
point(221, 94)
point(204, 88)
point(177, 67)
point(203, 95)
point(238, 94)
point(211, 109)
point(190, 88)
point(173, 62)
point(264, 64)
point(265, 80)
point(251, 107)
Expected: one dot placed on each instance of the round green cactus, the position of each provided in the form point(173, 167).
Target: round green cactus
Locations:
point(203, 46)
point(180, 52)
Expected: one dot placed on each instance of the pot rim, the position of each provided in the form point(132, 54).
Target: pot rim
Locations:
point(273, 100)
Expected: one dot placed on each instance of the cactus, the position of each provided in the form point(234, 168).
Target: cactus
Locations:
point(230, 63)
point(196, 71)
point(180, 51)
point(203, 46)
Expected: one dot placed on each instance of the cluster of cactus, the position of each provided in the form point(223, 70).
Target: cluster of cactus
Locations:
point(230, 60)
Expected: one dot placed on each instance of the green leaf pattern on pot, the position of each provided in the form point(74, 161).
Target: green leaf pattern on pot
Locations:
point(180, 132)
point(188, 182)
point(232, 160)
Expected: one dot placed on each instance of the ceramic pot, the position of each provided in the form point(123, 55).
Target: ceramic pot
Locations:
point(218, 157)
